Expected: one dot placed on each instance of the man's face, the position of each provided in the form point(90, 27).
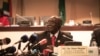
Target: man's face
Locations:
point(52, 26)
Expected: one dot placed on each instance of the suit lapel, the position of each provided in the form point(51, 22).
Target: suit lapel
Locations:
point(58, 40)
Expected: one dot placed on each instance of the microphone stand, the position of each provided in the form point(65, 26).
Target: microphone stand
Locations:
point(19, 49)
point(36, 51)
point(19, 45)
point(1, 47)
point(29, 52)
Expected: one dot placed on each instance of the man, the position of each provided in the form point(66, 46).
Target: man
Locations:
point(53, 26)
point(95, 40)
point(4, 22)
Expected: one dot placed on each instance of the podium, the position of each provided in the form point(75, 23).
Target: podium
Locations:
point(76, 51)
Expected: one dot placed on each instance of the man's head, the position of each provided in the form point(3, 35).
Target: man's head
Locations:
point(53, 24)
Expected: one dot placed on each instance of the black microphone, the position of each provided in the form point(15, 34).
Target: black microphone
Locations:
point(23, 39)
point(8, 50)
point(32, 40)
point(5, 41)
point(68, 37)
point(42, 42)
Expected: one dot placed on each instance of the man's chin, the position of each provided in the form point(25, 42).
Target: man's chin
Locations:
point(49, 30)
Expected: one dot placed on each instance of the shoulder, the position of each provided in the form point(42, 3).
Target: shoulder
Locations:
point(96, 31)
point(65, 36)
point(68, 34)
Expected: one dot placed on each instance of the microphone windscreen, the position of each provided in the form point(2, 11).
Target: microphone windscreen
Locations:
point(7, 40)
point(10, 49)
point(24, 38)
point(33, 38)
point(43, 41)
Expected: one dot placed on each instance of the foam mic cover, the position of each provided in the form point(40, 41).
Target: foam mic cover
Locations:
point(7, 40)
point(24, 38)
point(7, 50)
point(33, 38)
point(11, 49)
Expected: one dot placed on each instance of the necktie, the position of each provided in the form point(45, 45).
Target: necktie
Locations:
point(53, 40)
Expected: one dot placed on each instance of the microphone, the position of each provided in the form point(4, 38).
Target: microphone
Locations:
point(23, 39)
point(32, 39)
point(5, 41)
point(42, 42)
point(68, 37)
point(8, 50)
point(71, 42)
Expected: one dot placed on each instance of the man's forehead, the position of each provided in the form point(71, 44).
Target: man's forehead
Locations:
point(54, 19)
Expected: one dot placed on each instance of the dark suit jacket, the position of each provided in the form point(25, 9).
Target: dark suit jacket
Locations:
point(62, 37)
point(96, 36)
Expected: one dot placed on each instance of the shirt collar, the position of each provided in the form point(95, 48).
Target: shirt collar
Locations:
point(56, 34)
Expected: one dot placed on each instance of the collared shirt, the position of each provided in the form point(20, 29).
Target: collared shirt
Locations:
point(56, 34)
